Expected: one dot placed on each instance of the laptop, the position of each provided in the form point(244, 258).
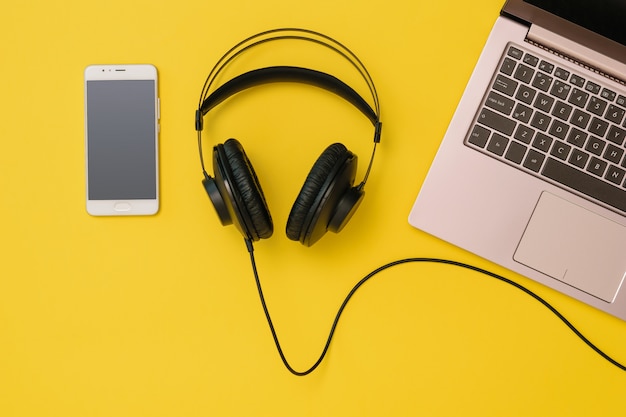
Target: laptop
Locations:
point(531, 173)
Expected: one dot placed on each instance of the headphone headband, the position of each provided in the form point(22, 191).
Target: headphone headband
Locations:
point(290, 34)
point(285, 73)
point(288, 74)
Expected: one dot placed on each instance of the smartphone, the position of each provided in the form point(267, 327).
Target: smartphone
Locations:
point(122, 112)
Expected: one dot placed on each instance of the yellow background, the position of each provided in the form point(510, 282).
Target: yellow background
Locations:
point(159, 316)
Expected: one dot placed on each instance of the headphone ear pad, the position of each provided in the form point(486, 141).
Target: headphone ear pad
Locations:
point(246, 189)
point(331, 175)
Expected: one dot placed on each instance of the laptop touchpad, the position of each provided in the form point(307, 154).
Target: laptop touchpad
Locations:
point(576, 246)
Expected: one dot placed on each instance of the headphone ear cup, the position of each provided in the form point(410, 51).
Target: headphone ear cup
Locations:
point(249, 204)
point(330, 178)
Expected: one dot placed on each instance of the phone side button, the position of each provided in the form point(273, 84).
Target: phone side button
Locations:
point(121, 207)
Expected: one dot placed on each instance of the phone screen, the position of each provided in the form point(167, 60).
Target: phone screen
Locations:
point(121, 147)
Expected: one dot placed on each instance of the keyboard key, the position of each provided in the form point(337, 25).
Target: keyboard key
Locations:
point(579, 158)
point(516, 152)
point(616, 135)
point(497, 144)
point(559, 129)
point(544, 102)
point(496, 122)
point(524, 73)
point(592, 87)
point(595, 145)
point(608, 94)
point(562, 110)
point(615, 175)
point(597, 106)
point(531, 60)
point(562, 74)
point(546, 66)
point(613, 154)
point(479, 136)
point(508, 66)
point(598, 127)
point(577, 137)
point(585, 183)
point(560, 90)
point(621, 101)
point(541, 121)
point(534, 160)
point(580, 119)
point(597, 166)
point(542, 142)
point(615, 114)
point(560, 150)
point(524, 134)
point(515, 53)
point(577, 80)
point(579, 97)
point(500, 103)
point(542, 81)
point(505, 85)
point(522, 113)
point(525, 94)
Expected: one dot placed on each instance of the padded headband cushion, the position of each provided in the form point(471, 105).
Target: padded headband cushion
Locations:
point(334, 154)
point(288, 74)
point(249, 188)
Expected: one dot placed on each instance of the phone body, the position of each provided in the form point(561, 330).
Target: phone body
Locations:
point(122, 112)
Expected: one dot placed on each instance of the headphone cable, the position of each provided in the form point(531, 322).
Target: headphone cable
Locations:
point(392, 264)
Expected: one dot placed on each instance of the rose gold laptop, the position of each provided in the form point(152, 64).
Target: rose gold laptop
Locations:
point(531, 173)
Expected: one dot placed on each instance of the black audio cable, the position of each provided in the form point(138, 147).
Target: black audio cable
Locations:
point(382, 268)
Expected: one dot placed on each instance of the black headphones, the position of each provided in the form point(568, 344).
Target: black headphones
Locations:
point(328, 198)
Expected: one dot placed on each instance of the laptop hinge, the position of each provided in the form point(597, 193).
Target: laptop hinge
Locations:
point(578, 54)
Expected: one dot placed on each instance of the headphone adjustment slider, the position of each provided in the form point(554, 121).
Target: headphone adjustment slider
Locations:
point(199, 122)
point(378, 131)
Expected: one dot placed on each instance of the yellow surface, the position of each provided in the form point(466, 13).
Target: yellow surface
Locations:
point(159, 316)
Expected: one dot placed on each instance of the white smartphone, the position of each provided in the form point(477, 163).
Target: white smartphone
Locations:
point(122, 112)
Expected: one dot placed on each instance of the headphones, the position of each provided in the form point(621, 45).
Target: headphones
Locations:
point(328, 198)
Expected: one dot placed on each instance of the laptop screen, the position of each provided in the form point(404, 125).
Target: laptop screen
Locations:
point(605, 17)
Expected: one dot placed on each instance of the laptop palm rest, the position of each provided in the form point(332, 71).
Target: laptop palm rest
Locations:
point(575, 246)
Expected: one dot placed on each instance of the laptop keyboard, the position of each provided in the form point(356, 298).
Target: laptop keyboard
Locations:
point(555, 124)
